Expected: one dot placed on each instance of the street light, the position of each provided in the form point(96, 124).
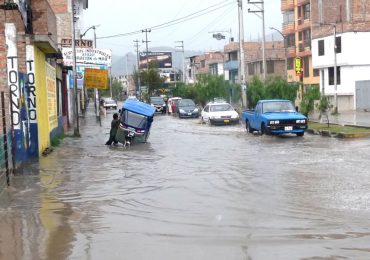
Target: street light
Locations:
point(285, 49)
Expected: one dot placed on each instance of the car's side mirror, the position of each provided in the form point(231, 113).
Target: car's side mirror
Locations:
point(297, 108)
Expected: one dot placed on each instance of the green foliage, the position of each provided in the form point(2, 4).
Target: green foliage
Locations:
point(311, 94)
point(55, 141)
point(255, 91)
point(151, 79)
point(117, 90)
point(273, 88)
point(206, 89)
point(324, 105)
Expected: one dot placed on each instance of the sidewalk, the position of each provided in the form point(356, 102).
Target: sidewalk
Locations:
point(356, 118)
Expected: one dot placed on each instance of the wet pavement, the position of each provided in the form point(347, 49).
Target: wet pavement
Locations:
point(193, 192)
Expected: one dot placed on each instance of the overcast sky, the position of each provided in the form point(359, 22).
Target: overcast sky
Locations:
point(122, 17)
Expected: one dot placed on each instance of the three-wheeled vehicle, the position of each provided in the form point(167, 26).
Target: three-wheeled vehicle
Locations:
point(135, 121)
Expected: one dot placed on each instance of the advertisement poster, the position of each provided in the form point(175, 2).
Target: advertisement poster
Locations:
point(51, 96)
point(87, 56)
point(163, 60)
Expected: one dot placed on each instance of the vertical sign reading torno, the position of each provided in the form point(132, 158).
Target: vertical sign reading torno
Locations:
point(31, 87)
point(13, 79)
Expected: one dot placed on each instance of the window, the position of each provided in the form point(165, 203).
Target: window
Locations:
point(290, 40)
point(270, 66)
point(206, 109)
point(202, 63)
point(290, 64)
point(331, 76)
point(316, 73)
point(321, 47)
point(259, 108)
point(251, 70)
point(338, 44)
point(307, 11)
point(288, 17)
point(307, 37)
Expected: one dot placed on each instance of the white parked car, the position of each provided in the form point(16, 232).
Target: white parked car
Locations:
point(172, 102)
point(216, 113)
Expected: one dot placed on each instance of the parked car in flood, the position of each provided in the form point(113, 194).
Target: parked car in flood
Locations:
point(187, 108)
point(172, 103)
point(159, 104)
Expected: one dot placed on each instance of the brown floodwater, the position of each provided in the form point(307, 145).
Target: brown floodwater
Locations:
point(193, 191)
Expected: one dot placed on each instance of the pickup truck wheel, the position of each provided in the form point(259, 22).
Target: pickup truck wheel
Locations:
point(300, 134)
point(263, 129)
point(248, 127)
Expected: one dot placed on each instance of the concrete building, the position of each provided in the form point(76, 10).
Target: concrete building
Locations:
point(208, 63)
point(346, 21)
point(275, 60)
point(297, 31)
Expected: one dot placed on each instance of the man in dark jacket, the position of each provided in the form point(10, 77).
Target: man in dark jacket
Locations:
point(113, 130)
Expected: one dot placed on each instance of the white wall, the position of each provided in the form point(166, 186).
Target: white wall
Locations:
point(354, 50)
point(354, 62)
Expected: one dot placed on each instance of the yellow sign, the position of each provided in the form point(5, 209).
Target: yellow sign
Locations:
point(298, 66)
point(96, 78)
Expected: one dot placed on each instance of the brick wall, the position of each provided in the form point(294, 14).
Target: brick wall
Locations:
point(335, 11)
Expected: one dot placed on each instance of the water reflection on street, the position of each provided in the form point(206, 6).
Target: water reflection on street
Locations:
point(193, 192)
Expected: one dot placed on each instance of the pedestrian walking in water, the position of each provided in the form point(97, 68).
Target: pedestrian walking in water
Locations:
point(113, 130)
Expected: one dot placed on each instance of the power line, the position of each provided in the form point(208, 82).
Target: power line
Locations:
point(176, 21)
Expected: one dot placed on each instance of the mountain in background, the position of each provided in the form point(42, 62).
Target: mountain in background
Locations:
point(122, 65)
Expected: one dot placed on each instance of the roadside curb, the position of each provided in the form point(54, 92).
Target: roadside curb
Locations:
point(327, 133)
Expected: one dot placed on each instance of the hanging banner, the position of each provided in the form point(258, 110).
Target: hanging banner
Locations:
point(298, 66)
point(87, 56)
point(96, 78)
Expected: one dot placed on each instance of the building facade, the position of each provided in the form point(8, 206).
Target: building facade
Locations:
point(31, 79)
point(297, 32)
point(340, 39)
point(253, 59)
point(208, 63)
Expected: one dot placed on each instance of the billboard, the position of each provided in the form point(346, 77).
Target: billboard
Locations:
point(162, 59)
point(96, 78)
point(87, 56)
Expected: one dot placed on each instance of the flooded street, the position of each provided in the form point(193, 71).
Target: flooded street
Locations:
point(193, 192)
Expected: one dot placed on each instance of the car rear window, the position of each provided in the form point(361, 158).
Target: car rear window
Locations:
point(221, 107)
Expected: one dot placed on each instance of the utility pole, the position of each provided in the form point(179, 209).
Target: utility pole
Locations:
point(241, 54)
point(75, 101)
point(262, 16)
point(335, 70)
point(146, 31)
point(183, 59)
point(138, 66)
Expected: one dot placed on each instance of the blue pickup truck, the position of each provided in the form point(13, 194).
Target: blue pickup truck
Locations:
point(275, 117)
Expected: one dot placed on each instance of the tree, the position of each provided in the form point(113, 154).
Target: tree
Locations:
point(310, 94)
point(151, 78)
point(272, 88)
